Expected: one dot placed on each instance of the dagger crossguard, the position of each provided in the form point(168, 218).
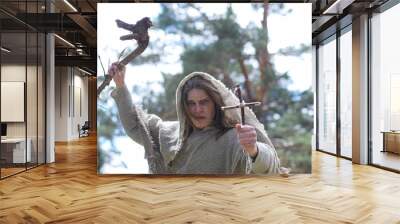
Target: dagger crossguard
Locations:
point(241, 104)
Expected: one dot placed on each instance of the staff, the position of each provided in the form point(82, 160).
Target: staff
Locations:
point(140, 34)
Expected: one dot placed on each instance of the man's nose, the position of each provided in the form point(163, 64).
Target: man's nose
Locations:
point(198, 108)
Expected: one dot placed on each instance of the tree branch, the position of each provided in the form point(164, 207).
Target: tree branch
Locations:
point(247, 83)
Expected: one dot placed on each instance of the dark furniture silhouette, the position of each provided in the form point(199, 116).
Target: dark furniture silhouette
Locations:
point(391, 141)
point(84, 130)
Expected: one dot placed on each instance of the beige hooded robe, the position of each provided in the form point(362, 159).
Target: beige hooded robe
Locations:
point(168, 153)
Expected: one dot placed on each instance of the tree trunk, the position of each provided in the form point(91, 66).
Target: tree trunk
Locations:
point(263, 59)
point(227, 79)
point(247, 83)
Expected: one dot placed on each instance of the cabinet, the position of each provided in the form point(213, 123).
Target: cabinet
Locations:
point(391, 141)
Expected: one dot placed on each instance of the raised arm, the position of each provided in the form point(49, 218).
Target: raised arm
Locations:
point(131, 115)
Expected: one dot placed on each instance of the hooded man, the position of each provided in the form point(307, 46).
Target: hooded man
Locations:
point(205, 139)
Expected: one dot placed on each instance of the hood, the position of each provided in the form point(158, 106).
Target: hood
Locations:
point(229, 98)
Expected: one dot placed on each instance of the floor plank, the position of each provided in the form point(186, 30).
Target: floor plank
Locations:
point(70, 191)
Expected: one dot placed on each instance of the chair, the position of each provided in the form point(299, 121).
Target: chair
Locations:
point(84, 130)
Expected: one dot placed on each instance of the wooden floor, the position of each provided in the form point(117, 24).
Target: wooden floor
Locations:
point(70, 191)
point(387, 159)
point(10, 171)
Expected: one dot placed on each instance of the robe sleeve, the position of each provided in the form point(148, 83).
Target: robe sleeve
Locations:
point(130, 115)
point(267, 161)
point(241, 163)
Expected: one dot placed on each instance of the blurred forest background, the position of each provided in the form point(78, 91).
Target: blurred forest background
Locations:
point(233, 54)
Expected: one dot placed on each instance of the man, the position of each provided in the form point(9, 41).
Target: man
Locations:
point(205, 139)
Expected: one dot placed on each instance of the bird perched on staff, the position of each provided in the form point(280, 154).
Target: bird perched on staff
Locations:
point(139, 29)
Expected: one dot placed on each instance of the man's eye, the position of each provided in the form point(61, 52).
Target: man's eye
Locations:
point(204, 102)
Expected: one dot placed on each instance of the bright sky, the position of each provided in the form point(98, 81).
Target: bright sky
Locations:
point(284, 31)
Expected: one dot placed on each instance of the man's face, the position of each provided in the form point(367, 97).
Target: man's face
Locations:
point(201, 108)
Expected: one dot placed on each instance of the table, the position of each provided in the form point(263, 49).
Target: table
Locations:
point(13, 150)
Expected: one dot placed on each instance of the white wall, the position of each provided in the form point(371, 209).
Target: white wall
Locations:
point(61, 103)
point(16, 73)
point(71, 94)
point(33, 127)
